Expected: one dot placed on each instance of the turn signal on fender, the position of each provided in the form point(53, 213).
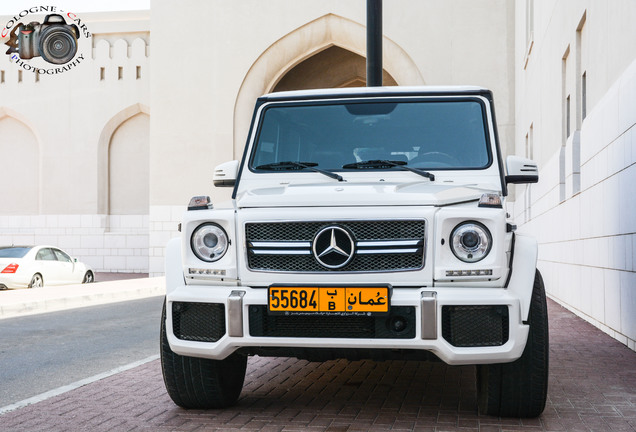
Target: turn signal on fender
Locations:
point(490, 200)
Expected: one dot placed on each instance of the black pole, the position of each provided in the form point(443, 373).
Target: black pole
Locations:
point(374, 43)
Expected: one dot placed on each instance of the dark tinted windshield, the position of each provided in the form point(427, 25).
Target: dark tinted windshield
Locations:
point(428, 134)
point(14, 251)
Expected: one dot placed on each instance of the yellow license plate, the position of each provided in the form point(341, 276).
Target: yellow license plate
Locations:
point(336, 300)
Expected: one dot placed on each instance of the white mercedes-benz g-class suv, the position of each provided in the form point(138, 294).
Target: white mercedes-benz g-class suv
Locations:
point(365, 223)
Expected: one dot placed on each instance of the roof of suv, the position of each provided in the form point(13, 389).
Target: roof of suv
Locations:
point(377, 91)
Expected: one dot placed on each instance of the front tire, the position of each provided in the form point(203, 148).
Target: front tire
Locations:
point(520, 388)
point(200, 383)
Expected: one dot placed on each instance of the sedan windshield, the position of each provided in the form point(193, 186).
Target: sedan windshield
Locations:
point(427, 134)
point(14, 251)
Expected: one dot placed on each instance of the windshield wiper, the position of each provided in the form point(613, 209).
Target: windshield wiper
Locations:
point(289, 165)
point(387, 164)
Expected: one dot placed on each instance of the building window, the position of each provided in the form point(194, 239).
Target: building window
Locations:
point(584, 95)
point(120, 73)
point(580, 94)
point(138, 72)
point(102, 74)
point(528, 192)
point(1, 77)
point(529, 21)
point(567, 77)
point(567, 117)
point(530, 142)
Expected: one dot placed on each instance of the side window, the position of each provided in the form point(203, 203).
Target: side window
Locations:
point(61, 256)
point(45, 254)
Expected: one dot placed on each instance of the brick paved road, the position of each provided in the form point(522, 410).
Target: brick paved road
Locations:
point(592, 388)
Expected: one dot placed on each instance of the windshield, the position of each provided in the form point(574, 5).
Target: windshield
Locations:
point(14, 251)
point(433, 134)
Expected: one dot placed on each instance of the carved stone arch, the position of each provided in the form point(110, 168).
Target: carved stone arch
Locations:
point(302, 43)
point(8, 112)
point(120, 50)
point(138, 48)
point(333, 67)
point(25, 195)
point(103, 177)
point(101, 50)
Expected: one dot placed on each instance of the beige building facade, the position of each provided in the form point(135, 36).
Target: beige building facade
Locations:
point(575, 63)
point(74, 146)
point(111, 152)
point(108, 182)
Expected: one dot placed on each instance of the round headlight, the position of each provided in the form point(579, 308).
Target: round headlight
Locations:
point(471, 241)
point(209, 242)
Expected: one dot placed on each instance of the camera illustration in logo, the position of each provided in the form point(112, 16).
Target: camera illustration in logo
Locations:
point(54, 40)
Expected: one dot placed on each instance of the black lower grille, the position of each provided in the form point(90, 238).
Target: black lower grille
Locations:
point(399, 324)
point(475, 326)
point(202, 322)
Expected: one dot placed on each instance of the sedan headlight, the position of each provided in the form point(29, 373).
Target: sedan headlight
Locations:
point(471, 241)
point(209, 242)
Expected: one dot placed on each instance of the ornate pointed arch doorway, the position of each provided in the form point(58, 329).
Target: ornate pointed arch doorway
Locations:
point(331, 68)
point(332, 36)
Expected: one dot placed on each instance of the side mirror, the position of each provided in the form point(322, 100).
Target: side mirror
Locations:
point(521, 170)
point(225, 174)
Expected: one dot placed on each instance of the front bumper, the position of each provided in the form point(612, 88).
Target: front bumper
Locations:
point(235, 310)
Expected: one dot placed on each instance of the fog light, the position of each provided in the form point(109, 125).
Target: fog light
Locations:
point(397, 324)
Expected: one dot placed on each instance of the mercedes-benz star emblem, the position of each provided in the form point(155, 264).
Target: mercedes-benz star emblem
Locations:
point(333, 247)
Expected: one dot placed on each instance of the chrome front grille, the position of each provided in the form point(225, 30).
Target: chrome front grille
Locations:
point(396, 245)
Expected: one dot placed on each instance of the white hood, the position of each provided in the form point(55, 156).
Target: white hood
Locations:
point(359, 194)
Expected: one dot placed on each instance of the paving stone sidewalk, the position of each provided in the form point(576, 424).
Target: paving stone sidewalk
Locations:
point(592, 388)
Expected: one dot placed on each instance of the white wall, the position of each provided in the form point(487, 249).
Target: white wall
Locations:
point(55, 134)
point(106, 243)
point(583, 211)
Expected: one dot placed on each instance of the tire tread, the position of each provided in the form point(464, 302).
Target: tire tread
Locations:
point(520, 388)
point(199, 383)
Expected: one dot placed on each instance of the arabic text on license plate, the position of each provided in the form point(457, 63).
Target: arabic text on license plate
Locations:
point(328, 299)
